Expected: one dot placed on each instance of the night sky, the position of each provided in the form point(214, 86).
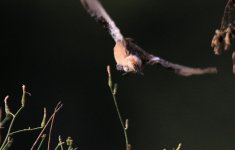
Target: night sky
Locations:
point(60, 53)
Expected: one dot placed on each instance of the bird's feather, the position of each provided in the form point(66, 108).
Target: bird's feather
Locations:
point(130, 48)
point(180, 69)
point(149, 59)
point(96, 10)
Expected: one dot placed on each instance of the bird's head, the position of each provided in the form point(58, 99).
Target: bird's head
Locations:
point(132, 64)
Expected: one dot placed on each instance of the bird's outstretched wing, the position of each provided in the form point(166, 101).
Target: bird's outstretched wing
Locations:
point(150, 59)
point(96, 10)
point(180, 69)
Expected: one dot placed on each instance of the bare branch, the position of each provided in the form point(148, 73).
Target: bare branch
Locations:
point(57, 108)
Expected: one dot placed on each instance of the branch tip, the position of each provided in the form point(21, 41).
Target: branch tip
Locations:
point(109, 71)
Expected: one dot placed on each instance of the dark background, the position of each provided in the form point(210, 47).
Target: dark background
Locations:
point(60, 53)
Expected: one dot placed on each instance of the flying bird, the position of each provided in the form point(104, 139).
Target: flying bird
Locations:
point(131, 58)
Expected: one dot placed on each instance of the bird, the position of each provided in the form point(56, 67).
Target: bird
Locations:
point(131, 58)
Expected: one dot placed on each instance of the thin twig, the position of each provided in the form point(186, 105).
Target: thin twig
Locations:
point(10, 127)
point(49, 138)
point(43, 138)
point(7, 141)
point(8, 144)
point(114, 91)
point(56, 110)
point(60, 144)
point(179, 146)
point(7, 118)
point(120, 118)
point(52, 122)
point(24, 130)
point(0, 124)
